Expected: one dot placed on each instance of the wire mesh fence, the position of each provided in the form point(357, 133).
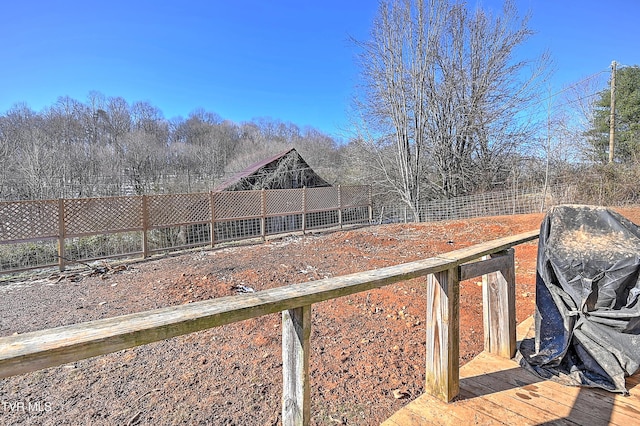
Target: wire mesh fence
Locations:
point(322, 219)
point(28, 255)
point(498, 203)
point(36, 234)
point(236, 230)
point(102, 246)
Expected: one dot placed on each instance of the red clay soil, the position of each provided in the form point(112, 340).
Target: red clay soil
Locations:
point(368, 350)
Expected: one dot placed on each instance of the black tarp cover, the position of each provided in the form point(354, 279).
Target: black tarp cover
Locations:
point(587, 312)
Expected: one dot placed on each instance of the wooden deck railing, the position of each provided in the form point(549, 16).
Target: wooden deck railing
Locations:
point(47, 348)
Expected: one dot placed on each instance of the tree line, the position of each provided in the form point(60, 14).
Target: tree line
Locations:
point(444, 108)
point(107, 146)
point(448, 106)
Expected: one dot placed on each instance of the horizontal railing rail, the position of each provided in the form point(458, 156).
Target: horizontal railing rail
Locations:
point(36, 350)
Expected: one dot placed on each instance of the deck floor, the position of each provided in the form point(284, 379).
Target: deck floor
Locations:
point(495, 390)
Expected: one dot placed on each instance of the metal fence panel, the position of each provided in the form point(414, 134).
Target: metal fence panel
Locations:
point(99, 228)
point(497, 203)
point(354, 215)
point(283, 201)
point(234, 230)
point(283, 224)
point(318, 199)
point(237, 204)
point(322, 219)
point(103, 246)
point(177, 209)
point(31, 255)
point(354, 196)
point(178, 237)
point(87, 216)
point(27, 220)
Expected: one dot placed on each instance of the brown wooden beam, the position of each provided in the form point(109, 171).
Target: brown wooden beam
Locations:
point(499, 307)
point(482, 267)
point(443, 335)
point(296, 390)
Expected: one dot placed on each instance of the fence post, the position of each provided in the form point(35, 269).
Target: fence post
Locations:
point(213, 218)
point(61, 235)
point(499, 307)
point(443, 335)
point(263, 214)
point(304, 209)
point(296, 393)
point(340, 206)
point(370, 201)
point(145, 227)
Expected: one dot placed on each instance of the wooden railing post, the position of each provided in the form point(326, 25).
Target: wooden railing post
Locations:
point(443, 334)
point(499, 307)
point(61, 235)
point(296, 393)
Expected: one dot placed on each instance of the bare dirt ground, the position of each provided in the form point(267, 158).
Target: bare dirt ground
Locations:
point(368, 350)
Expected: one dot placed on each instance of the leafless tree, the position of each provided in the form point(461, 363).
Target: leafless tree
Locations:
point(578, 102)
point(441, 96)
point(106, 146)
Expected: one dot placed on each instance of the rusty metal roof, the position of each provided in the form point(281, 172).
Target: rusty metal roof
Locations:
point(251, 170)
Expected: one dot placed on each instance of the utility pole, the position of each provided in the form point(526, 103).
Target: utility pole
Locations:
point(612, 116)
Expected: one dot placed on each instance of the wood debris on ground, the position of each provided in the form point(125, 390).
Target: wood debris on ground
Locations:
point(102, 271)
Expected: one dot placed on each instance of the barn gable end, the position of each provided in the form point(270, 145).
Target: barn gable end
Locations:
point(286, 170)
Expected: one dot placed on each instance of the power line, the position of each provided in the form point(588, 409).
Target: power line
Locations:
point(572, 86)
point(607, 71)
point(570, 101)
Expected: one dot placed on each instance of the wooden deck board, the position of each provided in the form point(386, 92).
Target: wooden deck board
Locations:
point(594, 404)
point(495, 391)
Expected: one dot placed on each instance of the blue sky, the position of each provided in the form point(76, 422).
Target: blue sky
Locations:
point(245, 59)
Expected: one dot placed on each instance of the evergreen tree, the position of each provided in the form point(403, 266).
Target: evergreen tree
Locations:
point(627, 119)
